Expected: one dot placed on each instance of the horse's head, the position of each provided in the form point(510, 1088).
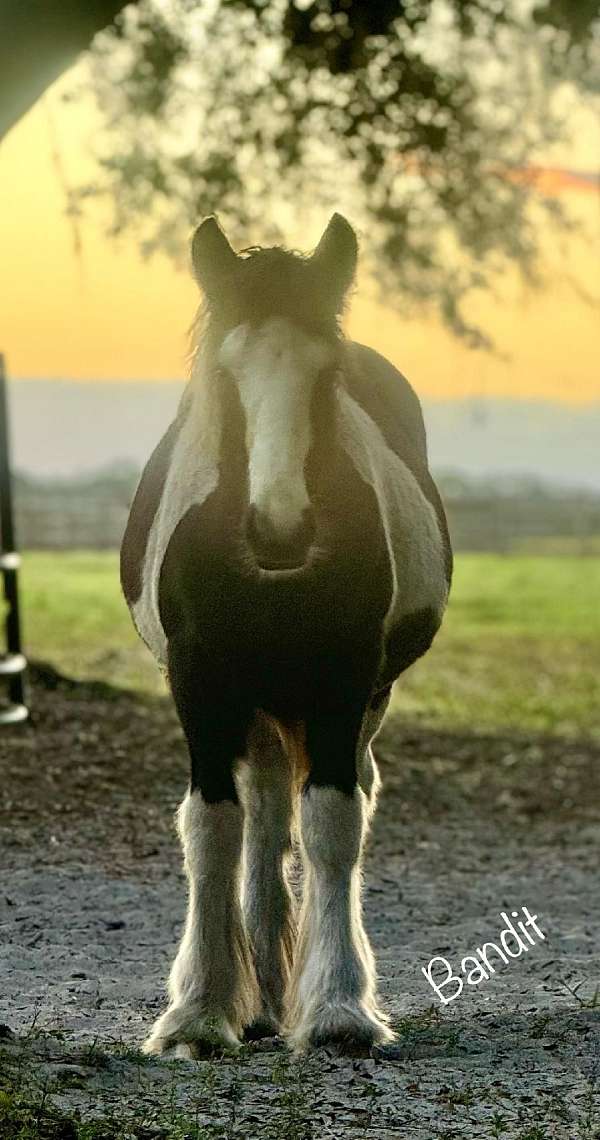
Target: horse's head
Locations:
point(275, 315)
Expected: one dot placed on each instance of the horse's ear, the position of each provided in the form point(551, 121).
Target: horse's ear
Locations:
point(213, 259)
point(336, 254)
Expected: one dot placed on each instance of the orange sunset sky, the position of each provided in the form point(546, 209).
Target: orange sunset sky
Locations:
point(111, 315)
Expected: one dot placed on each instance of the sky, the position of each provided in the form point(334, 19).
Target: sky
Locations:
point(108, 314)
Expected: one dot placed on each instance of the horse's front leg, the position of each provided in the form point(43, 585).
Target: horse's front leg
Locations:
point(267, 791)
point(334, 988)
point(212, 986)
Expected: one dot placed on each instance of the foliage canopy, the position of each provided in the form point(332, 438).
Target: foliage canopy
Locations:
point(417, 118)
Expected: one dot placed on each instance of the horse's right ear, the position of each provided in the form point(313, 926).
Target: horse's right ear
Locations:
point(213, 259)
point(335, 257)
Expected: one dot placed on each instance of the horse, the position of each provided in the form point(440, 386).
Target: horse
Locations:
point(286, 558)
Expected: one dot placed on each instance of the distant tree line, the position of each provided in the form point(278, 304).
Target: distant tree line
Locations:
point(502, 514)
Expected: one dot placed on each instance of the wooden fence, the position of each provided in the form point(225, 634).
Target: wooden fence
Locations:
point(75, 515)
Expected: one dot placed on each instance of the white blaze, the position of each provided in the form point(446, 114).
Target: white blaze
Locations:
point(275, 367)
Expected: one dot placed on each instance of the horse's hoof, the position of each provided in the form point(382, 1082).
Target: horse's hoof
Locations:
point(348, 1028)
point(193, 1035)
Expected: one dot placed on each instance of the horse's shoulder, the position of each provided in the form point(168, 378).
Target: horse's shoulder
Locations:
point(388, 398)
point(392, 403)
point(145, 505)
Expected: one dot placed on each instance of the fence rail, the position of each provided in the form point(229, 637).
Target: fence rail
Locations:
point(55, 519)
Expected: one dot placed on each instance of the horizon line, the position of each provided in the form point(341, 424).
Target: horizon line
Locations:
point(475, 398)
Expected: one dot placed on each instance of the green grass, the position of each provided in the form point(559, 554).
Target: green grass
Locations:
point(74, 616)
point(520, 645)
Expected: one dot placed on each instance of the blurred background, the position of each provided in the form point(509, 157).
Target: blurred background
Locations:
point(462, 141)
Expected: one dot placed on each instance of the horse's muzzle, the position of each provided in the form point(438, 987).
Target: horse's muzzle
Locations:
point(274, 551)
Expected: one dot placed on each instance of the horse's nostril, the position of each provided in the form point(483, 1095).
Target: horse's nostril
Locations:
point(276, 550)
point(306, 531)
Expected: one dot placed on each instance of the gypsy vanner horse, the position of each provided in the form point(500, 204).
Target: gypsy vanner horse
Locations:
point(285, 559)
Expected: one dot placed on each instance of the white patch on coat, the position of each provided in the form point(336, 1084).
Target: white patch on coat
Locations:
point(275, 367)
point(410, 523)
point(212, 986)
point(333, 990)
point(266, 785)
point(193, 474)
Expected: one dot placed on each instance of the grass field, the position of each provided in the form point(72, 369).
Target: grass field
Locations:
point(520, 646)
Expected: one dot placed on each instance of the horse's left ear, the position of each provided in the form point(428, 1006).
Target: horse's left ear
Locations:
point(213, 259)
point(336, 254)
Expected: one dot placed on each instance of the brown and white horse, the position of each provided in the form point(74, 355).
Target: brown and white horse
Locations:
point(286, 558)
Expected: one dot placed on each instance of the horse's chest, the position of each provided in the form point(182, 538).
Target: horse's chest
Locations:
point(209, 582)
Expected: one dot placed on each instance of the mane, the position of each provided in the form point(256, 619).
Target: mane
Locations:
point(269, 282)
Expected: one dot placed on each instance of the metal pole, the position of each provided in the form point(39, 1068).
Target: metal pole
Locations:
point(12, 662)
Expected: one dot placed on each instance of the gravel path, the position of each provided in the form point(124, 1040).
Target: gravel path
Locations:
point(92, 898)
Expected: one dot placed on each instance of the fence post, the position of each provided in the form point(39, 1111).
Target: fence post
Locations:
point(12, 661)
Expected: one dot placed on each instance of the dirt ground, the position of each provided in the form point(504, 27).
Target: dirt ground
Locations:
point(92, 898)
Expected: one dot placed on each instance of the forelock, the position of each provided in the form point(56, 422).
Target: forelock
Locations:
point(278, 283)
